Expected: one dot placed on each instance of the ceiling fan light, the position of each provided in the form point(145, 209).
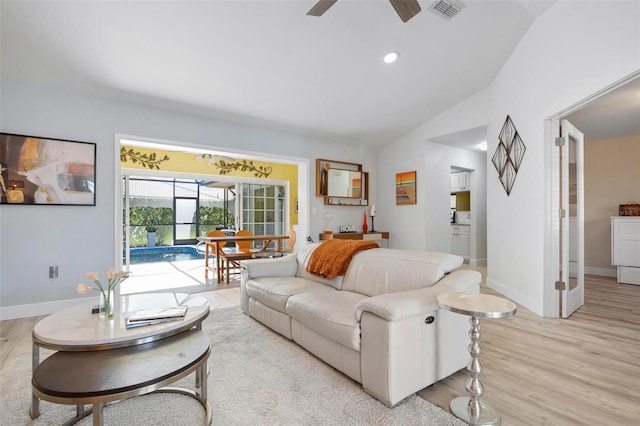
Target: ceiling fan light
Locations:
point(390, 57)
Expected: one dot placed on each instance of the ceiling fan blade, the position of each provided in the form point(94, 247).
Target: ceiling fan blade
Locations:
point(321, 7)
point(406, 9)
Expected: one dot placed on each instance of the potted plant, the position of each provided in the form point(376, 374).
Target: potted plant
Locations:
point(151, 227)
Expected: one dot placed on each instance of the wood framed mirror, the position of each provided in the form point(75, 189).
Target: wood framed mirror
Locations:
point(345, 183)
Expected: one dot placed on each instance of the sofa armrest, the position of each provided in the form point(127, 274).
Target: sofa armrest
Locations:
point(285, 266)
point(400, 305)
point(405, 304)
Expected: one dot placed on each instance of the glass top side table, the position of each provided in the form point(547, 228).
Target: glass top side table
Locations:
point(471, 408)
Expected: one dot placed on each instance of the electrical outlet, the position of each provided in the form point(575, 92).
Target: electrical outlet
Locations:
point(53, 272)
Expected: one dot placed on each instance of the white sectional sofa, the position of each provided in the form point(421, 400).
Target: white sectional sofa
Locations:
point(379, 324)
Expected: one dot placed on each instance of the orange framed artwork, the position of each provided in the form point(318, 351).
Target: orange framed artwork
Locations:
point(406, 188)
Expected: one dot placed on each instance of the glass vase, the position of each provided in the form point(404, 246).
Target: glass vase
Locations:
point(106, 310)
point(328, 223)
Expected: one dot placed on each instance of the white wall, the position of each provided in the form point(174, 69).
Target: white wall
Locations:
point(426, 225)
point(83, 239)
point(571, 51)
point(612, 177)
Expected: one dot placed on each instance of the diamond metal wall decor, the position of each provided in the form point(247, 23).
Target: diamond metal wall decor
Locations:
point(508, 155)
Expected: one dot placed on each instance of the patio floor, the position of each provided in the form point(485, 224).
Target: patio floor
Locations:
point(183, 276)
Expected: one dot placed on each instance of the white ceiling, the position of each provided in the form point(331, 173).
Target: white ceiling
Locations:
point(614, 115)
point(469, 139)
point(266, 62)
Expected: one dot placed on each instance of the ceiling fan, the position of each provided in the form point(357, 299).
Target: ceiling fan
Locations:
point(406, 9)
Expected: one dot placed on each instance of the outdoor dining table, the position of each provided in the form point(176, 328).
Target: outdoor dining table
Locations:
point(221, 241)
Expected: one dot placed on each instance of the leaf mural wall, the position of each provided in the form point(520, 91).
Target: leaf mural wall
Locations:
point(260, 171)
point(133, 157)
point(147, 160)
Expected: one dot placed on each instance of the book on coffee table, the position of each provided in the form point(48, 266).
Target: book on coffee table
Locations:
point(155, 316)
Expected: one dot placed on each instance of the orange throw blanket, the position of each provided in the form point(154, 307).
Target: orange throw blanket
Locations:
point(332, 257)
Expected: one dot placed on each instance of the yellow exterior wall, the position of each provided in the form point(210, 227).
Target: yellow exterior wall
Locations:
point(172, 161)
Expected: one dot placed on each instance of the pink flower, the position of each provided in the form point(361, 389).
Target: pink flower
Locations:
point(113, 279)
point(82, 288)
point(93, 276)
point(110, 273)
point(121, 275)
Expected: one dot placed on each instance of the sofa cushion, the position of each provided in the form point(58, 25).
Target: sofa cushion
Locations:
point(330, 314)
point(448, 262)
point(303, 255)
point(380, 271)
point(275, 291)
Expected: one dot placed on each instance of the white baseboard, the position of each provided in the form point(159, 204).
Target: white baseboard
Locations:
point(592, 270)
point(478, 262)
point(37, 309)
point(510, 293)
point(46, 308)
point(602, 272)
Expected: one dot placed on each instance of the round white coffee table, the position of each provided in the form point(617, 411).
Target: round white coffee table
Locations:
point(470, 408)
point(81, 339)
point(78, 329)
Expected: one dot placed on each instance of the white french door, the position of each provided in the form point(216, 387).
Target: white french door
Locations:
point(261, 208)
point(571, 146)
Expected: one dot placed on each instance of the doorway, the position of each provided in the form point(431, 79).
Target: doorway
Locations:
point(178, 210)
point(570, 145)
point(609, 114)
point(267, 197)
point(461, 214)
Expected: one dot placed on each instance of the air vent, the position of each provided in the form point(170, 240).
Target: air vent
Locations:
point(446, 9)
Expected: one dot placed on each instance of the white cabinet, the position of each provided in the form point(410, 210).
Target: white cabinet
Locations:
point(625, 248)
point(461, 240)
point(460, 181)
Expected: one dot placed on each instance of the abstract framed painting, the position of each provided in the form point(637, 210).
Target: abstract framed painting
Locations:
point(37, 170)
point(406, 188)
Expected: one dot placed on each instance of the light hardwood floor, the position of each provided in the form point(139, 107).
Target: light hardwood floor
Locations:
point(584, 370)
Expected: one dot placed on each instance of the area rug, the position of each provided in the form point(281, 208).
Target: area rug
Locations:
point(256, 377)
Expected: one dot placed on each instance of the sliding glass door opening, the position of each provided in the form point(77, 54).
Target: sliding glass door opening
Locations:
point(163, 216)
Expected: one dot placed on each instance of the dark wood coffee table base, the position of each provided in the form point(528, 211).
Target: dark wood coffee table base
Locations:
point(97, 377)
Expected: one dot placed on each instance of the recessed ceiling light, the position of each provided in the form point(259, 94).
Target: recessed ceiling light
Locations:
point(482, 146)
point(390, 57)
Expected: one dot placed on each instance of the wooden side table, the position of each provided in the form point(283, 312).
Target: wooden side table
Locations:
point(374, 235)
point(470, 408)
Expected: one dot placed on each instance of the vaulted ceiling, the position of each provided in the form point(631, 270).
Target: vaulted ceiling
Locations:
point(267, 62)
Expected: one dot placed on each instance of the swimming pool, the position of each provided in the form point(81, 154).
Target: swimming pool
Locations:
point(164, 254)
